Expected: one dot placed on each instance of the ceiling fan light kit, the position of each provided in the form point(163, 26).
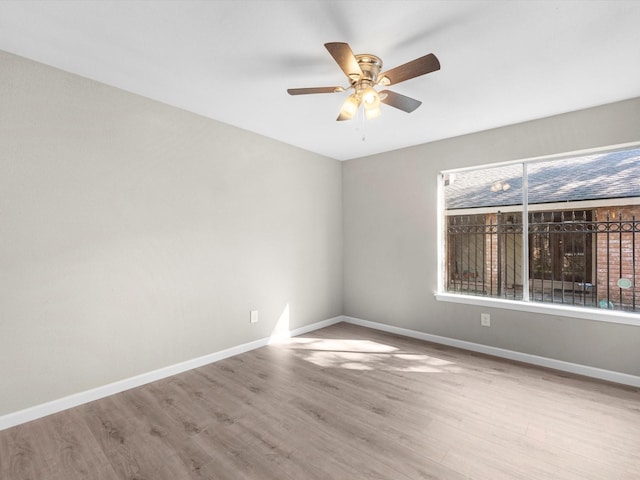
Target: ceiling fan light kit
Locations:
point(349, 107)
point(363, 72)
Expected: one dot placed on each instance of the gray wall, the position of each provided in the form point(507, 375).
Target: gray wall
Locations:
point(390, 240)
point(134, 235)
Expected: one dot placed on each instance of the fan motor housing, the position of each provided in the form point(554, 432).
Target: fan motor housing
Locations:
point(370, 66)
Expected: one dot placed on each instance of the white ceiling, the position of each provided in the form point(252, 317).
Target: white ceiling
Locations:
point(503, 62)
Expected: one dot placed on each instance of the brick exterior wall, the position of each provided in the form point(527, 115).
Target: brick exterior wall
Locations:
point(615, 254)
point(511, 261)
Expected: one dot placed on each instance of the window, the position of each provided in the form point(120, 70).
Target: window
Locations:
point(562, 231)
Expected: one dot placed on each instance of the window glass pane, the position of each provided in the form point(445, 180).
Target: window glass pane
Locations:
point(587, 255)
point(484, 232)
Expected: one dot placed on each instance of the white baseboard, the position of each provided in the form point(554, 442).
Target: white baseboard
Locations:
point(54, 406)
point(576, 368)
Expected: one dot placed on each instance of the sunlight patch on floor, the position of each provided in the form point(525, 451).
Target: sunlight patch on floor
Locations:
point(344, 345)
point(366, 355)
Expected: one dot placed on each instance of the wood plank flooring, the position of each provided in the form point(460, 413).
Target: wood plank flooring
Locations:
point(343, 402)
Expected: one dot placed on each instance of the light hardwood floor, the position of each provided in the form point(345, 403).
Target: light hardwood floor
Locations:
point(343, 402)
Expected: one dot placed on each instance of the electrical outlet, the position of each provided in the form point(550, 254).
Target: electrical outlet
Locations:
point(485, 319)
point(254, 316)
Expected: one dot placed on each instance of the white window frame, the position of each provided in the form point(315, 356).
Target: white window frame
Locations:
point(525, 305)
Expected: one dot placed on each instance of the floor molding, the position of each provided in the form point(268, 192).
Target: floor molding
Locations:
point(599, 373)
point(76, 399)
point(54, 406)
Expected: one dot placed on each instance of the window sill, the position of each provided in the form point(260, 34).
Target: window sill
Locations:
point(610, 316)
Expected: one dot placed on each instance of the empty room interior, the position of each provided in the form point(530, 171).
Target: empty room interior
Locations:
point(319, 240)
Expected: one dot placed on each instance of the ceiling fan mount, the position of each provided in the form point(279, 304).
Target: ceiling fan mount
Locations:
point(363, 72)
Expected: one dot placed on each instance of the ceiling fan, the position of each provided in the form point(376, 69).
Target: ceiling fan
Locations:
point(363, 72)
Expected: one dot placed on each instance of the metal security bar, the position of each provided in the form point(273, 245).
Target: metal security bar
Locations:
point(561, 257)
point(583, 258)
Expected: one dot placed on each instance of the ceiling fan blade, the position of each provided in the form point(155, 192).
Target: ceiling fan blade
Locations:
point(401, 102)
point(344, 57)
point(306, 91)
point(414, 68)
